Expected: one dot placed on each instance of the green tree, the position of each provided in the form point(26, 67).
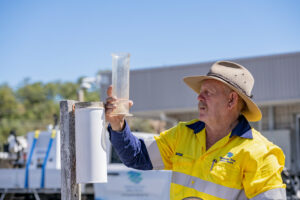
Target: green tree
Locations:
point(9, 106)
point(33, 105)
point(10, 112)
point(68, 90)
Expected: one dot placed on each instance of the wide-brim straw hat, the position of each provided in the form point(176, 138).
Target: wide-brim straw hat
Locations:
point(235, 76)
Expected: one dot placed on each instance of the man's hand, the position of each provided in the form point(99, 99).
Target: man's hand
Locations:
point(116, 121)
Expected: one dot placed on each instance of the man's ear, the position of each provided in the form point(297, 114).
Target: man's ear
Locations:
point(233, 100)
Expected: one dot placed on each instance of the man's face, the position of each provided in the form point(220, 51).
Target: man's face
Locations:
point(213, 100)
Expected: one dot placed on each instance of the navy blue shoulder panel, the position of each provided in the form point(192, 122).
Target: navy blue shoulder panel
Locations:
point(242, 129)
point(197, 126)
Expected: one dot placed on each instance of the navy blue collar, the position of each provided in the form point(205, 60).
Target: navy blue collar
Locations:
point(197, 126)
point(242, 129)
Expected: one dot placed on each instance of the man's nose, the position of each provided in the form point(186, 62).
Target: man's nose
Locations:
point(200, 97)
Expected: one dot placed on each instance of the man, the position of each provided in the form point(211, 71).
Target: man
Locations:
point(217, 156)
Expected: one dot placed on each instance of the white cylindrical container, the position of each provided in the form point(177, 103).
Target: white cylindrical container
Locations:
point(91, 163)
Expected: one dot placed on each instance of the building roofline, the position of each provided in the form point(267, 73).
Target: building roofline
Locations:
point(209, 62)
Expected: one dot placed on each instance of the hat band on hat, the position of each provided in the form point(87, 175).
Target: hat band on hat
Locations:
point(230, 82)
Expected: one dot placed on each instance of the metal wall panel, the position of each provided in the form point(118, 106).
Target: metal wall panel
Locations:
point(276, 77)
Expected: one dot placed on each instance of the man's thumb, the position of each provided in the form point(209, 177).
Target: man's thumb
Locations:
point(109, 91)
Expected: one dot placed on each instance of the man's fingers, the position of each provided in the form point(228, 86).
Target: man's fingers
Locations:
point(110, 99)
point(109, 91)
point(110, 106)
point(130, 103)
point(108, 112)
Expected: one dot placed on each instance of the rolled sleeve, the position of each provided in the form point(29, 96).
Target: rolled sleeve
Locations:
point(263, 175)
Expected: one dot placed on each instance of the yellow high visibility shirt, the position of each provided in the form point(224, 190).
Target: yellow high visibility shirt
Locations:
point(242, 165)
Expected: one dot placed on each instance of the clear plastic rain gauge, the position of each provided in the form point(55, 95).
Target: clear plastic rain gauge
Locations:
point(120, 82)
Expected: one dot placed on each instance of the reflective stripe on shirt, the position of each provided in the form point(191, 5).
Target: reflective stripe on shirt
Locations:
point(242, 196)
point(206, 186)
point(274, 194)
point(154, 154)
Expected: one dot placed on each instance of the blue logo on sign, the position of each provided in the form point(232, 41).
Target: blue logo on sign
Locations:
point(134, 177)
point(229, 154)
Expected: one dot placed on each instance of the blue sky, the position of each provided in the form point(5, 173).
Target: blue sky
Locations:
point(63, 40)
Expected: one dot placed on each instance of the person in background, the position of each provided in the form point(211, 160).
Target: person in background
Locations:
point(217, 156)
point(13, 143)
